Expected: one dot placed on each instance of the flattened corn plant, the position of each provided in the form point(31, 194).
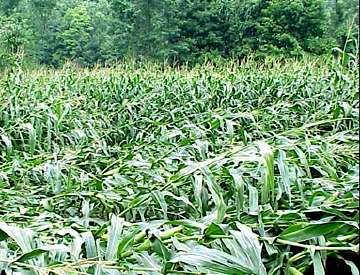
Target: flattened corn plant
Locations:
point(137, 169)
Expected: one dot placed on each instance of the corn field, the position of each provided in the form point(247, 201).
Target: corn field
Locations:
point(236, 169)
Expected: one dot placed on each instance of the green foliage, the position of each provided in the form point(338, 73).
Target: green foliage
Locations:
point(118, 39)
point(247, 168)
point(181, 32)
point(200, 28)
point(14, 37)
point(75, 35)
point(8, 6)
point(345, 24)
point(280, 27)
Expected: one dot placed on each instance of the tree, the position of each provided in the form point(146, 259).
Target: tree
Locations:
point(14, 37)
point(118, 37)
point(279, 26)
point(201, 29)
point(40, 14)
point(76, 35)
point(150, 28)
point(179, 31)
point(8, 6)
point(344, 24)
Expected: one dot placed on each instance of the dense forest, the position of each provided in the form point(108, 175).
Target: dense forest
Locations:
point(89, 32)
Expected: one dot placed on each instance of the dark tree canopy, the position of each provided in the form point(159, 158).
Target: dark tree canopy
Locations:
point(88, 32)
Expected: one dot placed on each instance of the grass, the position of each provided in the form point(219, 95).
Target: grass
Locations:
point(249, 169)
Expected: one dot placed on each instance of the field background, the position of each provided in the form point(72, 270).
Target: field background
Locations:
point(247, 168)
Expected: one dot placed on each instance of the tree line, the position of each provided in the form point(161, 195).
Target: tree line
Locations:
point(89, 32)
